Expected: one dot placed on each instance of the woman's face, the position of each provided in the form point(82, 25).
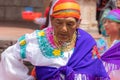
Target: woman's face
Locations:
point(64, 28)
point(112, 28)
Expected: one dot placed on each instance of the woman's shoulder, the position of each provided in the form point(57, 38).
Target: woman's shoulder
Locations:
point(31, 36)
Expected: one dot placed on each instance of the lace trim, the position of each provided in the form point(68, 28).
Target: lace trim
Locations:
point(110, 67)
point(87, 77)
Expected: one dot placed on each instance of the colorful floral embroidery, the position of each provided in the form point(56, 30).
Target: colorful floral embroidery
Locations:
point(56, 52)
point(49, 35)
point(102, 46)
point(41, 33)
point(95, 52)
point(46, 48)
point(23, 44)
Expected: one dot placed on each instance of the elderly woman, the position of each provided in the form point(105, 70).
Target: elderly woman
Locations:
point(59, 52)
point(109, 45)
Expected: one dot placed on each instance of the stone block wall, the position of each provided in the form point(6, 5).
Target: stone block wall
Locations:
point(10, 10)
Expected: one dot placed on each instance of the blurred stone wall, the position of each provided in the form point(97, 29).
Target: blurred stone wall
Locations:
point(10, 10)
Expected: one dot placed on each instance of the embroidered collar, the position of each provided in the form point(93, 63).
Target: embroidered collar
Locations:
point(46, 44)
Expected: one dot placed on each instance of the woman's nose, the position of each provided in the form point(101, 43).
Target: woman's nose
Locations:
point(105, 24)
point(64, 28)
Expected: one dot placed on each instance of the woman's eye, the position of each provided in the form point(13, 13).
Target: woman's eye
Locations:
point(70, 24)
point(58, 23)
point(110, 21)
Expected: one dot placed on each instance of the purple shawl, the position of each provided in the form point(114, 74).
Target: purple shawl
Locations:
point(81, 62)
point(112, 55)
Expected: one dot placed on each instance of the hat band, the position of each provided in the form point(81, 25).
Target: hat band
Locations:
point(66, 5)
point(66, 13)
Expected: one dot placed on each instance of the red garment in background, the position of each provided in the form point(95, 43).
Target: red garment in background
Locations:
point(46, 11)
point(45, 15)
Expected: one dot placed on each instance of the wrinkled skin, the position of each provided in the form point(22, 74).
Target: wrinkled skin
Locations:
point(64, 28)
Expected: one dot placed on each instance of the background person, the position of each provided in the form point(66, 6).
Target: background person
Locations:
point(44, 21)
point(111, 24)
point(110, 5)
point(110, 44)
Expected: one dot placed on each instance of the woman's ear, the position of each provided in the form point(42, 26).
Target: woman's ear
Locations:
point(78, 22)
point(51, 19)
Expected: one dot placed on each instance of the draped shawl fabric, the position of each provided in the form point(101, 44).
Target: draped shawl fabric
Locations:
point(112, 57)
point(109, 57)
point(81, 62)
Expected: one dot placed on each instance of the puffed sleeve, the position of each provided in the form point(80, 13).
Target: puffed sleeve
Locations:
point(11, 64)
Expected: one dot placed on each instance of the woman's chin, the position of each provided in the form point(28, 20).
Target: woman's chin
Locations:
point(64, 40)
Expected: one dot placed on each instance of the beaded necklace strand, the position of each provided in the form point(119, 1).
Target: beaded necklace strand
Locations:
point(65, 46)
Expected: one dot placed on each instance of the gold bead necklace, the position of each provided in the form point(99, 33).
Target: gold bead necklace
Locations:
point(109, 42)
point(65, 46)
